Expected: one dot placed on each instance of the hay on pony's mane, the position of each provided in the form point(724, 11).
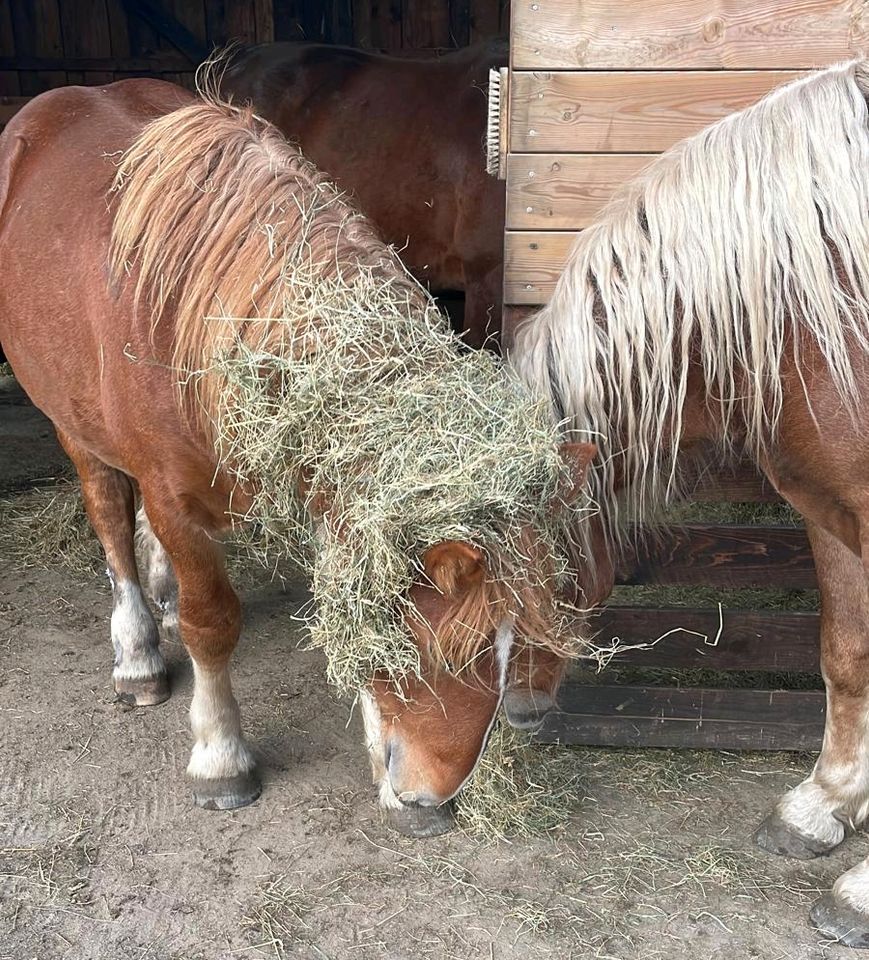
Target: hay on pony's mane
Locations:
point(727, 250)
point(316, 363)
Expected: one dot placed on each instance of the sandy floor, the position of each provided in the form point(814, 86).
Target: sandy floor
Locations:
point(103, 855)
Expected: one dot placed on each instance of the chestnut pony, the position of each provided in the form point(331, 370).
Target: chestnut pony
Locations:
point(724, 296)
point(405, 137)
point(73, 332)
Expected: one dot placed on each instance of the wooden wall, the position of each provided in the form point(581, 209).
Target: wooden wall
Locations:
point(50, 43)
point(598, 86)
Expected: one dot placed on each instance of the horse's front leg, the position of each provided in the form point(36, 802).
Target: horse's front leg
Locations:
point(221, 766)
point(813, 818)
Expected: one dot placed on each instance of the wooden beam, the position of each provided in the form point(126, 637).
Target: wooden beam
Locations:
point(601, 34)
point(725, 555)
point(564, 191)
point(626, 112)
point(769, 640)
point(153, 13)
point(627, 716)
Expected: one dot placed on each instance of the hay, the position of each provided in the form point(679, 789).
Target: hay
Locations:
point(48, 528)
point(368, 401)
point(521, 789)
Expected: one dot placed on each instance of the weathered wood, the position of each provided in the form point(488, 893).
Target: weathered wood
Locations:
point(741, 483)
point(770, 640)
point(625, 716)
point(425, 25)
point(167, 26)
point(564, 191)
point(36, 26)
point(85, 26)
point(533, 262)
point(160, 63)
point(624, 112)
point(485, 20)
point(725, 555)
point(386, 24)
point(601, 34)
point(460, 23)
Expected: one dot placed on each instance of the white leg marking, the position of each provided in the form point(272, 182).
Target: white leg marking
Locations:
point(134, 634)
point(374, 742)
point(853, 887)
point(159, 573)
point(835, 795)
point(219, 749)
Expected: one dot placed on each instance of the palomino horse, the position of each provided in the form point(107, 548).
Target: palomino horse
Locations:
point(206, 195)
point(724, 296)
point(405, 138)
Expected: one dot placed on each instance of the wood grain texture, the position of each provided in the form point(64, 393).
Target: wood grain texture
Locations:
point(533, 261)
point(564, 191)
point(625, 112)
point(647, 34)
point(627, 716)
point(9, 106)
point(725, 555)
point(770, 640)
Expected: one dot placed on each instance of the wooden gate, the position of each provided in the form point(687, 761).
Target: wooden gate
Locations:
point(595, 88)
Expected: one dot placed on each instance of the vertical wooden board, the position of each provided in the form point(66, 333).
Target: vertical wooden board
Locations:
point(426, 24)
point(10, 86)
point(215, 23)
point(564, 191)
point(239, 23)
point(287, 19)
point(485, 19)
point(190, 14)
point(264, 20)
point(119, 29)
point(460, 23)
point(34, 82)
point(85, 27)
point(36, 28)
point(341, 23)
point(626, 112)
point(386, 28)
point(363, 34)
point(647, 34)
point(7, 37)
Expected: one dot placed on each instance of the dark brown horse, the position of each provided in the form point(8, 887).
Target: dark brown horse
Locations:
point(405, 138)
point(724, 297)
point(110, 304)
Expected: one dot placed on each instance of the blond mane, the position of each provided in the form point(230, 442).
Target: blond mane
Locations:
point(716, 257)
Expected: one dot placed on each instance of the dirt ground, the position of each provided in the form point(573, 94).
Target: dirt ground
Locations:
point(103, 855)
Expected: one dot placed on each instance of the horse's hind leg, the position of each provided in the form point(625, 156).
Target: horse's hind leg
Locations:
point(812, 818)
point(221, 765)
point(160, 580)
point(139, 673)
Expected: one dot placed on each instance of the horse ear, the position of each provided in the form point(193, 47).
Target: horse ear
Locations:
point(577, 456)
point(454, 567)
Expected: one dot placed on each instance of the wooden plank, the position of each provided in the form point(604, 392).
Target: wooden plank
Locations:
point(460, 23)
point(485, 20)
point(85, 26)
point(425, 25)
point(625, 716)
point(533, 262)
point(36, 24)
point(646, 34)
point(725, 555)
point(564, 191)
point(770, 640)
point(619, 112)
point(159, 63)
point(264, 19)
point(741, 483)
point(386, 25)
point(168, 27)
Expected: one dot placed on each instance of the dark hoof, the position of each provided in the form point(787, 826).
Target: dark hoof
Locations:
point(527, 709)
point(144, 691)
point(227, 793)
point(776, 836)
point(416, 821)
point(835, 920)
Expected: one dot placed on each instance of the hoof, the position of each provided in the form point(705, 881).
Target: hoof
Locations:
point(526, 710)
point(227, 793)
point(143, 691)
point(415, 821)
point(776, 836)
point(836, 920)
